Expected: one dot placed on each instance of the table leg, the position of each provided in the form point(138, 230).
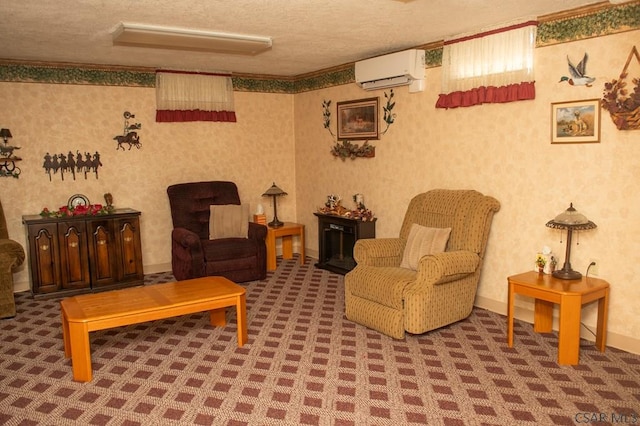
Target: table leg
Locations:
point(271, 252)
point(569, 330)
point(241, 319)
point(302, 255)
point(218, 317)
point(542, 316)
point(65, 335)
point(287, 247)
point(510, 308)
point(80, 351)
point(603, 312)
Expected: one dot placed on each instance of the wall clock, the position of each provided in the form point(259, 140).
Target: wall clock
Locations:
point(77, 200)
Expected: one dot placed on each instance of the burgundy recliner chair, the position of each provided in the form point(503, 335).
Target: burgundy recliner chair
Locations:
point(193, 254)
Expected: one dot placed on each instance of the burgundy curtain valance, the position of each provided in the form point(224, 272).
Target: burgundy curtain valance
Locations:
point(481, 95)
point(494, 66)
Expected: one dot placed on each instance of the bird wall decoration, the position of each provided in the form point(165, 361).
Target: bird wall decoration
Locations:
point(578, 73)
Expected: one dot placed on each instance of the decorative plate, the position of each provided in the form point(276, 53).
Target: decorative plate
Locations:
point(77, 200)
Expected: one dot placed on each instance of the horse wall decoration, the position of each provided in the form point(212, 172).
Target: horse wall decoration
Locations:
point(129, 135)
point(8, 161)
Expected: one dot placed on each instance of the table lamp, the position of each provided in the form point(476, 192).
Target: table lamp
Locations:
point(274, 192)
point(570, 220)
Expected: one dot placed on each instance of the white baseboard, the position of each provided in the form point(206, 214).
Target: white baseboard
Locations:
point(154, 269)
point(615, 340)
point(20, 286)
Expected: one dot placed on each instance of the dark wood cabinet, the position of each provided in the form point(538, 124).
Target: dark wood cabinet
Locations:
point(336, 237)
point(83, 254)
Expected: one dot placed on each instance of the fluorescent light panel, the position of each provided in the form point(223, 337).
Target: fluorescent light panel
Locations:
point(140, 35)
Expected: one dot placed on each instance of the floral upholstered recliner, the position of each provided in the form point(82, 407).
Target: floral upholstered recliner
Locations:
point(11, 256)
point(427, 277)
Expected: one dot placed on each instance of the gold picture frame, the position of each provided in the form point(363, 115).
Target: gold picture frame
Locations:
point(358, 119)
point(575, 121)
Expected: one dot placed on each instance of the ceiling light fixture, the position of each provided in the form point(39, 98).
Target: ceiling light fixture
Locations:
point(140, 35)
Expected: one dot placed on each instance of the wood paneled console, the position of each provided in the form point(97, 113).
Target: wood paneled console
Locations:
point(336, 237)
point(83, 254)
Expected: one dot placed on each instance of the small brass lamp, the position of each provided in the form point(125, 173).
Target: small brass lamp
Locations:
point(274, 192)
point(570, 220)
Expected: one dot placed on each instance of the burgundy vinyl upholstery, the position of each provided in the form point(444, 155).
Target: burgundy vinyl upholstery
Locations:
point(193, 255)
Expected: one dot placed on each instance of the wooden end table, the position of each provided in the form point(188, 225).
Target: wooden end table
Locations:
point(100, 311)
point(570, 295)
point(286, 232)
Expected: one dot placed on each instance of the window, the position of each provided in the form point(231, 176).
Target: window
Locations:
point(494, 66)
point(184, 96)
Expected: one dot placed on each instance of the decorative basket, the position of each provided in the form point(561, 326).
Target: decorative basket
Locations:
point(618, 106)
point(626, 120)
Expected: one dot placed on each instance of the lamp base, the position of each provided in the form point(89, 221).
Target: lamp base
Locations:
point(275, 223)
point(567, 274)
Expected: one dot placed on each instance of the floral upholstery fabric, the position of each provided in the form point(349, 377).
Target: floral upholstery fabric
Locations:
point(393, 300)
point(11, 256)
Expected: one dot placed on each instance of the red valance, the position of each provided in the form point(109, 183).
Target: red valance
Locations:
point(487, 95)
point(177, 116)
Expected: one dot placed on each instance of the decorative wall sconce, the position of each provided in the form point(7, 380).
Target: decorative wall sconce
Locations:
point(571, 220)
point(129, 135)
point(274, 192)
point(7, 158)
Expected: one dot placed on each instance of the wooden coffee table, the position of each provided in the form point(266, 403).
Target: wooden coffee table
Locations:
point(91, 312)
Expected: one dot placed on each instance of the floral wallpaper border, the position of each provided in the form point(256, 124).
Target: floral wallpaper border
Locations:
point(601, 22)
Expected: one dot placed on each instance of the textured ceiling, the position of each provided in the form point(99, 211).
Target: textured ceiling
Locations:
point(308, 35)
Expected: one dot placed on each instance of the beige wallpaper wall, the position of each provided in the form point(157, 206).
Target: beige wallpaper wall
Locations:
point(253, 152)
point(501, 150)
point(505, 151)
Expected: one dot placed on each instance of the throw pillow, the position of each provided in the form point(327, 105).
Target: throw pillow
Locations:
point(421, 242)
point(229, 221)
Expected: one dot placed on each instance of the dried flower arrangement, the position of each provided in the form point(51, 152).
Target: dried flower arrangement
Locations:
point(623, 105)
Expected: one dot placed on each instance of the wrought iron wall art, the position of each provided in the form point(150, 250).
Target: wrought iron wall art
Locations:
point(129, 135)
point(7, 158)
point(344, 148)
point(72, 163)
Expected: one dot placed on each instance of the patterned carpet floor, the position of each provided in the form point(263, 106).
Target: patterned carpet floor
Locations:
point(305, 364)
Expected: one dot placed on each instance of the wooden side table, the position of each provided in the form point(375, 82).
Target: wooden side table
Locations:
point(286, 232)
point(570, 295)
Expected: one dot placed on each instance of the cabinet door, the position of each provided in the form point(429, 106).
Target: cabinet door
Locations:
point(129, 250)
point(102, 253)
point(74, 264)
point(44, 255)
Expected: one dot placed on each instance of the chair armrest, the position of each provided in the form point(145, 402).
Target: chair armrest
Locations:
point(14, 250)
point(447, 266)
point(186, 239)
point(257, 231)
point(379, 251)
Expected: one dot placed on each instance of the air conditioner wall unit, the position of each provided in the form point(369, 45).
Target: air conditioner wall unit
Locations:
point(395, 69)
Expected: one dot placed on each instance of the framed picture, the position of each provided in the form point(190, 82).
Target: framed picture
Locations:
point(575, 121)
point(358, 119)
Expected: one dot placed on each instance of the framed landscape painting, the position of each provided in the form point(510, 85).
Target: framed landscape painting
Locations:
point(575, 121)
point(358, 119)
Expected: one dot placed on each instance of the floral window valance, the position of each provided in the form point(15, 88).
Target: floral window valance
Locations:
point(490, 67)
point(182, 96)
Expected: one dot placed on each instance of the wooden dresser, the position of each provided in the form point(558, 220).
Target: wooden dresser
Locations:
point(83, 254)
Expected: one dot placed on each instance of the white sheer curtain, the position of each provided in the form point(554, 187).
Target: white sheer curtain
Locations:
point(494, 66)
point(182, 96)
